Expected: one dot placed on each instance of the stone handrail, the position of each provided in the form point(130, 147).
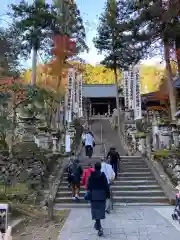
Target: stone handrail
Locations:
point(163, 179)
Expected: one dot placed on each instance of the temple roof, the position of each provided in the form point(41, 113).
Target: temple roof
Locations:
point(162, 94)
point(99, 90)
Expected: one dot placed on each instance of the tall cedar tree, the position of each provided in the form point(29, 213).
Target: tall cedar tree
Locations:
point(109, 41)
point(9, 53)
point(35, 23)
point(71, 23)
point(152, 22)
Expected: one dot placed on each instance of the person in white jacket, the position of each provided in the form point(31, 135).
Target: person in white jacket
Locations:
point(89, 143)
point(107, 169)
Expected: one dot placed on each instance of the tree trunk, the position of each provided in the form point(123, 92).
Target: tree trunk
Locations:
point(117, 101)
point(177, 43)
point(172, 93)
point(34, 67)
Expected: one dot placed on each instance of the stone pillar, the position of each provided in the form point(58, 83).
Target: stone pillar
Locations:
point(54, 149)
point(165, 137)
point(90, 109)
point(148, 146)
point(43, 141)
point(142, 143)
point(176, 138)
point(109, 108)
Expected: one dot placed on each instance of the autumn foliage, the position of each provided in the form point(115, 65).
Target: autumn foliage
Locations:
point(17, 92)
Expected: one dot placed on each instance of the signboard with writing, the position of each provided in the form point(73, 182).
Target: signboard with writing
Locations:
point(126, 90)
point(130, 88)
point(137, 94)
point(70, 94)
point(80, 95)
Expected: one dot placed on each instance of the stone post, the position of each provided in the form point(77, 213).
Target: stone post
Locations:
point(176, 138)
point(54, 139)
point(148, 146)
point(142, 142)
point(165, 136)
point(90, 109)
point(109, 108)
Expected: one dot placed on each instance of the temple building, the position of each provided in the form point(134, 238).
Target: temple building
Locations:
point(100, 98)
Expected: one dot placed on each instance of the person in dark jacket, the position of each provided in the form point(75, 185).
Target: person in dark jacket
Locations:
point(114, 159)
point(99, 192)
point(75, 172)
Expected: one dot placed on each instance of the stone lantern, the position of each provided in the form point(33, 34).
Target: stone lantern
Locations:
point(164, 135)
point(175, 135)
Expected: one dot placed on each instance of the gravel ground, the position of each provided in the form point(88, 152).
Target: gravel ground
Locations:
point(40, 229)
point(38, 232)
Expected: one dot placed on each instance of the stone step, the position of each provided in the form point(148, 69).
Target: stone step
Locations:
point(124, 177)
point(117, 187)
point(58, 206)
point(150, 177)
point(135, 174)
point(131, 174)
point(137, 193)
point(131, 157)
point(122, 199)
point(123, 169)
point(140, 162)
point(133, 164)
point(126, 182)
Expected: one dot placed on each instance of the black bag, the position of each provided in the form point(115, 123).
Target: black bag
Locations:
point(69, 178)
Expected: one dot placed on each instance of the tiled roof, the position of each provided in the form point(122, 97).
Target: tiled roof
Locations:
point(99, 90)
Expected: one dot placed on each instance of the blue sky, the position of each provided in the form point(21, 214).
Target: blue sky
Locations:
point(90, 12)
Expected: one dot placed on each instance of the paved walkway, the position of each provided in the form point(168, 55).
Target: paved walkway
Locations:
point(126, 223)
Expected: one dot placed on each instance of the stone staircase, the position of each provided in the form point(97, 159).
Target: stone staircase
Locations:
point(135, 185)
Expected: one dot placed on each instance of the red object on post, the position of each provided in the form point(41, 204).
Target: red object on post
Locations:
point(178, 54)
point(63, 45)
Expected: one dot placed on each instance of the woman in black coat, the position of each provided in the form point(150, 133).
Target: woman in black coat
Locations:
point(99, 191)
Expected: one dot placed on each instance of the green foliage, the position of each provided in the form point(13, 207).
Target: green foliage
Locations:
point(160, 154)
point(98, 75)
point(140, 135)
point(34, 22)
point(11, 193)
point(151, 77)
point(150, 22)
point(9, 52)
point(119, 49)
point(71, 23)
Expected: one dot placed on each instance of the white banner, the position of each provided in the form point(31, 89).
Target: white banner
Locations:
point(70, 94)
point(126, 91)
point(80, 95)
point(67, 143)
point(130, 88)
point(75, 96)
point(137, 94)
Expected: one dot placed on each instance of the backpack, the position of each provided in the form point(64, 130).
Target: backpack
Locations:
point(73, 171)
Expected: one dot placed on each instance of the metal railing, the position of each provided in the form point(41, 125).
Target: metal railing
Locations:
point(104, 151)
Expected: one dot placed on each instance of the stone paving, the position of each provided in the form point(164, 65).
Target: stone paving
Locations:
point(125, 223)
